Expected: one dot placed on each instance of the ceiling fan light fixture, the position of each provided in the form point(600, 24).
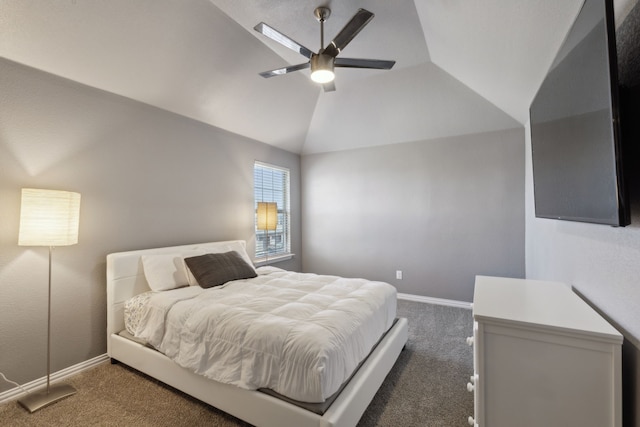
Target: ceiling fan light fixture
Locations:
point(322, 76)
point(322, 68)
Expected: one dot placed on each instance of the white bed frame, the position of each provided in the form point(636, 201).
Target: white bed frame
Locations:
point(125, 278)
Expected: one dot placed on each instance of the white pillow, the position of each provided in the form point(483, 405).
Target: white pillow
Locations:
point(166, 271)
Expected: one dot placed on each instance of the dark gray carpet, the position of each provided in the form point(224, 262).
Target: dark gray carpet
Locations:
point(427, 386)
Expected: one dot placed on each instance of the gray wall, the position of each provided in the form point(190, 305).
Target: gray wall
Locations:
point(441, 211)
point(147, 177)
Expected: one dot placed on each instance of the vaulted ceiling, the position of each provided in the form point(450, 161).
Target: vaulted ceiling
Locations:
point(462, 66)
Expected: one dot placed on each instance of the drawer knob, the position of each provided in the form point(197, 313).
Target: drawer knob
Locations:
point(473, 379)
point(469, 340)
point(471, 421)
point(470, 387)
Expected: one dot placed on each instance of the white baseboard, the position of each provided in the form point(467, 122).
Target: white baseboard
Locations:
point(15, 392)
point(439, 301)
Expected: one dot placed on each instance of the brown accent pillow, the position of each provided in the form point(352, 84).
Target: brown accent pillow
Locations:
point(217, 269)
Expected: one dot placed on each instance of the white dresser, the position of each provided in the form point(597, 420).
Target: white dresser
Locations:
point(542, 357)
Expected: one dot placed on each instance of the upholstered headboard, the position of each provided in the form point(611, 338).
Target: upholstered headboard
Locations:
point(125, 277)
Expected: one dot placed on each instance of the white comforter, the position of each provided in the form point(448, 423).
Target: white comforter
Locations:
point(301, 335)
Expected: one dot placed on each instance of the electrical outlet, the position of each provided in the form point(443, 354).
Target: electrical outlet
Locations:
point(399, 274)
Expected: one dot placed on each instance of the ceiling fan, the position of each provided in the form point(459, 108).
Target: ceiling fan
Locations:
point(322, 63)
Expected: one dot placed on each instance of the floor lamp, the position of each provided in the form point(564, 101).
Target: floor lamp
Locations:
point(267, 220)
point(48, 218)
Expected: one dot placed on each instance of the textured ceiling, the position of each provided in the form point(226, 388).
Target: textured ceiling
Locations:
point(462, 66)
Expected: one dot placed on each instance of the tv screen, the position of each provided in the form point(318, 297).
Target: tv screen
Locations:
point(575, 135)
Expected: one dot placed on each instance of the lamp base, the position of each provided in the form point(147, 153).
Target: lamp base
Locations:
point(39, 399)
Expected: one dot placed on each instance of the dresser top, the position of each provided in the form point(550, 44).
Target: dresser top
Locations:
point(551, 306)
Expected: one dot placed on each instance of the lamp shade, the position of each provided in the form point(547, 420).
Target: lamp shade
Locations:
point(267, 216)
point(49, 218)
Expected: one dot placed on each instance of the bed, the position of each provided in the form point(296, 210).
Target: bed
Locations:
point(126, 280)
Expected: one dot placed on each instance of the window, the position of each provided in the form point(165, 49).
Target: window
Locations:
point(271, 186)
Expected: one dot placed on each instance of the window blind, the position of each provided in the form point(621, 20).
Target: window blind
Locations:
point(271, 185)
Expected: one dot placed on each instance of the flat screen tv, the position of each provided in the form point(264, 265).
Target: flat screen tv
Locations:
point(575, 129)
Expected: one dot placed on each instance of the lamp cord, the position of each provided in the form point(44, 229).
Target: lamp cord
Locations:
point(48, 340)
point(13, 383)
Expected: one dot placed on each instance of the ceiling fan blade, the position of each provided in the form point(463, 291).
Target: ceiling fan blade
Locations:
point(329, 87)
point(377, 64)
point(286, 41)
point(353, 27)
point(285, 70)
